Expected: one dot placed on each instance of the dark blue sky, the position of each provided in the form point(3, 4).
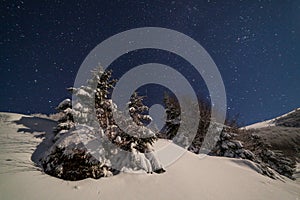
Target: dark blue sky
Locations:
point(255, 44)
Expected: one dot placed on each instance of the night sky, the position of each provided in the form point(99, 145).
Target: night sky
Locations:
point(255, 44)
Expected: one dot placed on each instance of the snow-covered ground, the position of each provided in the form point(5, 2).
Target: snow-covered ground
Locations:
point(188, 178)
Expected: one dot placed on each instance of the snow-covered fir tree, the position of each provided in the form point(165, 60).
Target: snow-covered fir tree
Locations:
point(143, 136)
point(65, 121)
point(180, 127)
point(173, 120)
point(91, 118)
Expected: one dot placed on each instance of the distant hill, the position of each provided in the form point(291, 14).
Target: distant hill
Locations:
point(281, 134)
point(291, 119)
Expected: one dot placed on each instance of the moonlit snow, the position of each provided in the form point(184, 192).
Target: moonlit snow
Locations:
point(188, 178)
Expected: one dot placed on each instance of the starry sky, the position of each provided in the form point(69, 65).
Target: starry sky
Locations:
point(255, 44)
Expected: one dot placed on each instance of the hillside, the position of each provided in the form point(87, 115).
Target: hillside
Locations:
point(280, 134)
point(188, 178)
point(290, 119)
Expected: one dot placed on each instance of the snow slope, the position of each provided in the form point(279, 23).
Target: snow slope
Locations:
point(188, 178)
point(276, 121)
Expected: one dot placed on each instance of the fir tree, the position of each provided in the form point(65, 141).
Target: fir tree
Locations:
point(91, 117)
point(172, 109)
point(175, 120)
point(65, 121)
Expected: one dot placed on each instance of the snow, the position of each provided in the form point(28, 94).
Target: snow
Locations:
point(297, 174)
point(64, 104)
point(190, 177)
point(267, 123)
point(270, 122)
point(82, 93)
